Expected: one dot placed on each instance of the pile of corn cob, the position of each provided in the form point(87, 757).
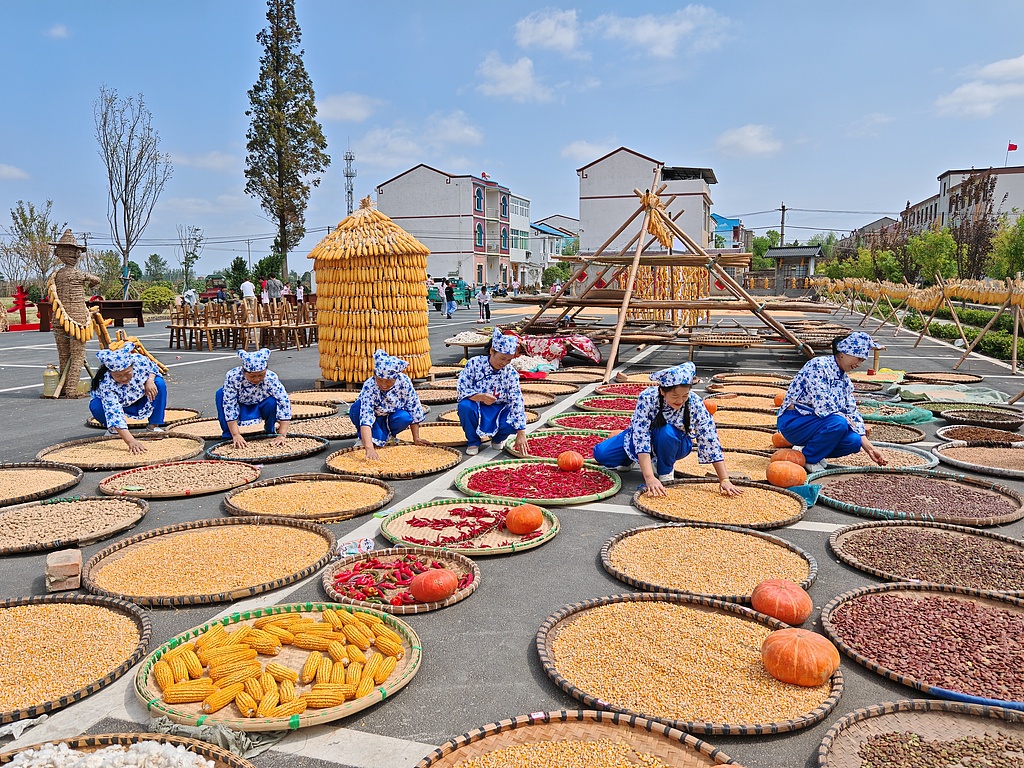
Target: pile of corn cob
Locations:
point(371, 294)
point(76, 330)
point(221, 667)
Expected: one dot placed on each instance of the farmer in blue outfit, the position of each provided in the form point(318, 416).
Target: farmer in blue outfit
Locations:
point(127, 384)
point(387, 405)
point(490, 400)
point(819, 414)
point(668, 420)
point(252, 394)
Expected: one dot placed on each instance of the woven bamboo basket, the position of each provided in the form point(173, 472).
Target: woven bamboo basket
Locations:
point(983, 417)
point(111, 486)
point(602, 421)
point(453, 416)
point(18, 472)
point(171, 416)
point(550, 629)
point(301, 411)
point(137, 615)
point(330, 427)
point(938, 406)
point(235, 507)
point(752, 377)
point(545, 387)
point(965, 432)
point(334, 396)
point(320, 443)
point(449, 459)
point(148, 692)
point(790, 512)
point(745, 438)
point(438, 433)
point(458, 564)
point(537, 399)
point(943, 377)
point(944, 453)
point(190, 447)
point(220, 758)
point(510, 444)
point(439, 371)
point(768, 390)
point(208, 429)
point(53, 538)
point(904, 434)
point(730, 401)
point(437, 396)
point(742, 464)
point(462, 483)
point(574, 377)
point(92, 570)
point(895, 453)
point(604, 403)
point(744, 417)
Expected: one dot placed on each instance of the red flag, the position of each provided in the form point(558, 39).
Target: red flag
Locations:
point(1011, 147)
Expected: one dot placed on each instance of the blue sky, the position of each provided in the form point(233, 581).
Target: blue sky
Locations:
point(826, 106)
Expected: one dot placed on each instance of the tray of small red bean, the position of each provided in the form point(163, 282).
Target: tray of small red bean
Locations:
point(933, 553)
point(946, 641)
point(984, 417)
point(985, 458)
point(918, 494)
point(538, 480)
point(549, 445)
point(977, 434)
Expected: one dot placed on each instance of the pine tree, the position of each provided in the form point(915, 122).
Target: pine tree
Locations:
point(286, 148)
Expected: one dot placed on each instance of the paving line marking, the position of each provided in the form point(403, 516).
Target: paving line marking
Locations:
point(805, 525)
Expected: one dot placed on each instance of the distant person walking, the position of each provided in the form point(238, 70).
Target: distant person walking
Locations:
point(515, 288)
point(274, 287)
point(300, 294)
point(249, 295)
point(449, 300)
point(483, 301)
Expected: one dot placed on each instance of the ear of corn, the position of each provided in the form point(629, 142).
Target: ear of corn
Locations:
point(289, 708)
point(189, 692)
point(286, 692)
point(368, 619)
point(373, 662)
point(353, 673)
point(333, 618)
point(338, 673)
point(238, 636)
point(387, 666)
point(192, 663)
point(311, 642)
point(267, 681)
point(323, 670)
point(253, 688)
point(380, 630)
point(225, 653)
point(178, 650)
point(178, 669)
point(239, 677)
point(211, 637)
point(281, 673)
point(282, 634)
point(356, 636)
point(354, 654)
point(271, 646)
point(310, 667)
point(365, 686)
point(336, 650)
point(221, 698)
point(389, 647)
point(323, 699)
point(270, 700)
point(218, 671)
point(246, 704)
point(163, 675)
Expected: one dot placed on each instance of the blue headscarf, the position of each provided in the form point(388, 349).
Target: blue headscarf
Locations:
point(502, 344)
point(254, 361)
point(858, 344)
point(675, 376)
point(386, 366)
point(117, 359)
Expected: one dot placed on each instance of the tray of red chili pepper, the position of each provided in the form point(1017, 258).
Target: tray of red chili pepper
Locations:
point(470, 526)
point(619, 403)
point(629, 389)
point(590, 421)
point(380, 579)
point(550, 444)
point(538, 481)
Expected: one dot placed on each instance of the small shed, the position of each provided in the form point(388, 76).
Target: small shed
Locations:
point(794, 265)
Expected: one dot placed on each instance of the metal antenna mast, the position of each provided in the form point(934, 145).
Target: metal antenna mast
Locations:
point(350, 173)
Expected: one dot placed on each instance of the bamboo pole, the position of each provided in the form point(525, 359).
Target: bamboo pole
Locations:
point(870, 311)
point(927, 322)
point(1016, 328)
point(952, 309)
point(984, 330)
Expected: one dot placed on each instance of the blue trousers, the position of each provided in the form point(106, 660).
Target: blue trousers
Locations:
point(384, 427)
point(449, 308)
point(668, 446)
point(266, 410)
point(487, 417)
point(821, 438)
point(159, 404)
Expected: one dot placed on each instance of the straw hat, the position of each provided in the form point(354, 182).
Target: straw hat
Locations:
point(68, 240)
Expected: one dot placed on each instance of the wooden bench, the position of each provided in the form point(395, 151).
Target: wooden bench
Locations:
point(114, 309)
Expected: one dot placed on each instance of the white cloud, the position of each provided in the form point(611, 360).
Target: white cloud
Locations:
point(1006, 69)
point(454, 128)
point(695, 27)
point(867, 125)
point(748, 140)
point(515, 81)
point(403, 144)
point(553, 29)
point(978, 98)
point(208, 161)
point(581, 151)
point(58, 32)
point(11, 172)
point(347, 107)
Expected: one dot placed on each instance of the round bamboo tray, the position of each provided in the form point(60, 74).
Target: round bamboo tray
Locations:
point(453, 416)
point(551, 628)
point(669, 745)
point(623, 389)
point(918, 592)
point(602, 421)
point(442, 385)
point(437, 396)
point(980, 417)
point(237, 474)
point(220, 758)
point(904, 434)
point(636, 378)
point(929, 720)
point(233, 507)
point(545, 387)
point(938, 406)
point(745, 465)
point(171, 416)
point(494, 540)
point(943, 377)
point(997, 450)
point(92, 570)
point(446, 459)
point(604, 404)
point(133, 510)
point(137, 615)
point(770, 390)
point(888, 377)
point(839, 540)
point(744, 417)
point(867, 386)
point(952, 432)
point(730, 401)
point(438, 433)
point(117, 455)
point(462, 483)
point(222, 451)
point(745, 438)
point(895, 453)
point(148, 692)
point(330, 427)
point(574, 377)
point(302, 411)
point(510, 444)
point(713, 558)
point(794, 508)
point(756, 378)
point(872, 415)
point(458, 564)
point(19, 474)
point(208, 429)
point(537, 399)
point(445, 370)
point(829, 476)
point(332, 396)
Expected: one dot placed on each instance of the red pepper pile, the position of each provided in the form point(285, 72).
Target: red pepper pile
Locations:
point(538, 481)
point(624, 389)
point(466, 524)
point(386, 581)
point(550, 446)
point(612, 403)
point(594, 421)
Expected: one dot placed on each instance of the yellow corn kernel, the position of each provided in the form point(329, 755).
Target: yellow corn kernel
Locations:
point(238, 636)
point(380, 630)
point(282, 634)
point(220, 699)
point(239, 677)
point(386, 668)
point(354, 654)
point(253, 688)
point(246, 704)
point(286, 692)
point(365, 686)
point(163, 675)
point(356, 637)
point(311, 642)
point(389, 648)
point(336, 650)
point(225, 653)
point(192, 663)
point(322, 699)
point(178, 669)
point(217, 671)
point(189, 692)
point(270, 700)
point(209, 636)
point(323, 670)
point(310, 667)
point(289, 708)
point(353, 673)
point(281, 673)
point(373, 662)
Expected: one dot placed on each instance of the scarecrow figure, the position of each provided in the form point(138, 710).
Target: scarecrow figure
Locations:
point(69, 284)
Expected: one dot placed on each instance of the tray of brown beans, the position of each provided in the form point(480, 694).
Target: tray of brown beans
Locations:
point(744, 417)
point(332, 396)
point(984, 458)
point(261, 449)
point(895, 456)
point(746, 438)
point(30, 480)
point(453, 416)
point(984, 417)
point(302, 411)
point(752, 377)
point(970, 434)
point(111, 452)
point(331, 427)
point(888, 432)
point(209, 429)
point(437, 396)
point(544, 387)
point(178, 479)
point(171, 416)
point(394, 462)
point(438, 433)
point(66, 522)
point(326, 498)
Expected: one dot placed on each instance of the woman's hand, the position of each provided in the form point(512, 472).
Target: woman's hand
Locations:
point(371, 453)
point(237, 441)
point(522, 447)
point(728, 489)
point(485, 398)
point(150, 389)
point(873, 453)
point(421, 441)
point(278, 440)
point(654, 487)
point(136, 446)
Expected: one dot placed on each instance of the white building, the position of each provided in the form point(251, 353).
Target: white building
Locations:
point(466, 221)
point(1007, 197)
point(607, 199)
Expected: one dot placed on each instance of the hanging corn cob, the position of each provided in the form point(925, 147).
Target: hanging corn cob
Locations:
point(668, 283)
point(371, 293)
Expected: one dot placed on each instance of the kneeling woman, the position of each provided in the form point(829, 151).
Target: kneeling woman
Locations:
point(490, 401)
point(668, 420)
point(252, 394)
point(819, 413)
point(387, 405)
point(127, 384)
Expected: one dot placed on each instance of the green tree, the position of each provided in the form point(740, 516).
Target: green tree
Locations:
point(236, 273)
point(190, 245)
point(1008, 249)
point(560, 270)
point(107, 266)
point(134, 270)
point(931, 252)
point(719, 241)
point(285, 145)
point(268, 266)
point(973, 223)
point(28, 253)
point(155, 267)
point(760, 247)
point(827, 241)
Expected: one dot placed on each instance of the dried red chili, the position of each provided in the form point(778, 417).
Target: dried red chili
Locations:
point(538, 481)
point(550, 446)
point(612, 403)
point(593, 421)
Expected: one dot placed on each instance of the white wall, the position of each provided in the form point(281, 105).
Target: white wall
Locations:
point(607, 199)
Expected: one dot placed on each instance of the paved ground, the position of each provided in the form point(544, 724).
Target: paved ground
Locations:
point(480, 664)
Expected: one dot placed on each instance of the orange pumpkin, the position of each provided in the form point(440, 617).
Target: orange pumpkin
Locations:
point(779, 398)
point(434, 585)
point(789, 454)
point(782, 599)
point(780, 442)
point(785, 474)
point(526, 518)
point(712, 406)
point(570, 461)
point(799, 657)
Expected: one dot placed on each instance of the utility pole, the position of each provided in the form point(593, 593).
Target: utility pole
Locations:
point(782, 233)
point(248, 253)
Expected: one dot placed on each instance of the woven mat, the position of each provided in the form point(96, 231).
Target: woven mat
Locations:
point(331, 427)
point(670, 746)
point(546, 387)
point(30, 480)
point(943, 377)
point(571, 377)
point(437, 396)
point(896, 455)
point(984, 458)
point(302, 411)
point(427, 460)
point(698, 500)
point(981, 417)
point(210, 477)
point(60, 523)
point(297, 446)
point(768, 390)
point(221, 758)
point(537, 399)
point(753, 377)
point(111, 452)
point(171, 416)
point(241, 501)
point(967, 432)
point(746, 438)
point(730, 400)
point(444, 370)
point(148, 692)
point(439, 433)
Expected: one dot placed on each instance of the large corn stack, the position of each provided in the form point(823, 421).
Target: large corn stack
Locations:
point(371, 293)
point(678, 283)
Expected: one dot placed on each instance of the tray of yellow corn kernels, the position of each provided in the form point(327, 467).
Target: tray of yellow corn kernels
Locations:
point(278, 668)
point(171, 416)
